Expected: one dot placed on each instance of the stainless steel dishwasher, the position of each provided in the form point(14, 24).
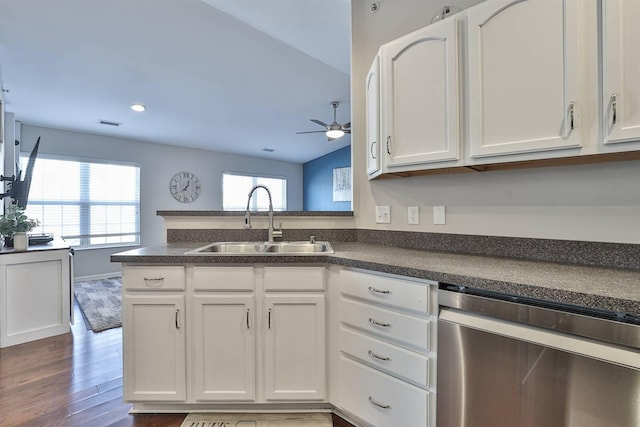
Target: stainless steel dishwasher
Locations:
point(507, 361)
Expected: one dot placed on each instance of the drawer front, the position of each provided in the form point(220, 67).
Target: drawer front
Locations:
point(294, 278)
point(380, 399)
point(223, 279)
point(406, 330)
point(405, 294)
point(406, 364)
point(167, 278)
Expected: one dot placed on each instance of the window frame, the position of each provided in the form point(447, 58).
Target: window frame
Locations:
point(84, 203)
point(254, 176)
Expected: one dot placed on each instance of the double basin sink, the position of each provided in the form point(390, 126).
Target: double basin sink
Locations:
point(263, 248)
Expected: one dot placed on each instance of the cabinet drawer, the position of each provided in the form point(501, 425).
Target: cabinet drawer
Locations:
point(154, 278)
point(406, 330)
point(402, 293)
point(409, 365)
point(380, 399)
point(294, 278)
point(223, 279)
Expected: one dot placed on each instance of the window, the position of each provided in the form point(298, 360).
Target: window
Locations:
point(235, 190)
point(88, 203)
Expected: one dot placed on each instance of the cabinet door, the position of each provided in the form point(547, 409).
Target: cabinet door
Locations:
point(294, 347)
point(621, 55)
point(154, 348)
point(373, 118)
point(523, 77)
point(419, 77)
point(224, 347)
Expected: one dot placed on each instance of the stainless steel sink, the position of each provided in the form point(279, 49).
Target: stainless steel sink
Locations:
point(263, 248)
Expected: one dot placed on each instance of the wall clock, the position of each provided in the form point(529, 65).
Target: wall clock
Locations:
point(184, 187)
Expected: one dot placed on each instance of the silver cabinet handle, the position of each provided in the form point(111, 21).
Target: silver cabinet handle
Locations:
point(373, 153)
point(614, 108)
point(153, 281)
point(177, 318)
point(388, 142)
point(383, 325)
point(375, 356)
point(378, 404)
point(248, 327)
point(570, 119)
point(378, 291)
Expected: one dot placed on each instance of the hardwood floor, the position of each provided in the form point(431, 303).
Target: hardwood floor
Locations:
point(72, 380)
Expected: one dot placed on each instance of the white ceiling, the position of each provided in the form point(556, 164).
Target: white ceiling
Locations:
point(234, 76)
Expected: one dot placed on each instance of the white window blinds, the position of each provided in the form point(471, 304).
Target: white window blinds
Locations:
point(88, 203)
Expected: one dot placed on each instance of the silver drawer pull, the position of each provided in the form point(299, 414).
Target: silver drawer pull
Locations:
point(378, 291)
point(153, 281)
point(375, 356)
point(378, 404)
point(374, 323)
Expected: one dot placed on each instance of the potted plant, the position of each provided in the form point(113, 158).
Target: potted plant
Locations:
point(14, 225)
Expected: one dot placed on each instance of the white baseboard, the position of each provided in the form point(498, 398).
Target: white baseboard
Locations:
point(97, 276)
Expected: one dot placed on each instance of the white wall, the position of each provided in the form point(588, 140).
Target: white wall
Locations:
point(158, 164)
point(598, 202)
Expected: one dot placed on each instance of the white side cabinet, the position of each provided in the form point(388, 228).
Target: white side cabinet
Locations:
point(419, 98)
point(372, 84)
point(523, 78)
point(621, 68)
point(387, 353)
point(35, 295)
point(154, 333)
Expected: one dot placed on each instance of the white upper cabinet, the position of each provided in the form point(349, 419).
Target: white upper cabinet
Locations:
point(419, 98)
point(373, 118)
point(523, 70)
point(621, 71)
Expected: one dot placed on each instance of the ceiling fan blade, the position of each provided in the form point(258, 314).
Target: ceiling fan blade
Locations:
point(346, 125)
point(311, 131)
point(331, 139)
point(346, 130)
point(323, 124)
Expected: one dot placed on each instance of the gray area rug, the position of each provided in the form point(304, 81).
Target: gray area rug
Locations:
point(100, 302)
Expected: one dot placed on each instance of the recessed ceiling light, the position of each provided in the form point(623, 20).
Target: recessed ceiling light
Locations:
point(138, 107)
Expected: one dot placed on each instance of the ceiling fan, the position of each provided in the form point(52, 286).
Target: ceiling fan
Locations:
point(334, 130)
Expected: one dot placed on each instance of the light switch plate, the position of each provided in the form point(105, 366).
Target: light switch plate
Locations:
point(439, 215)
point(413, 215)
point(383, 214)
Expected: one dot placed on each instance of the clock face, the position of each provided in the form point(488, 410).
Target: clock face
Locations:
point(184, 187)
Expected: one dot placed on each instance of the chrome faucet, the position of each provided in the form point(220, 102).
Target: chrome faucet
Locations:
point(247, 215)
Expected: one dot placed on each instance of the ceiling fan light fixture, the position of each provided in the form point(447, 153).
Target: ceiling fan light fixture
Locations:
point(138, 107)
point(335, 133)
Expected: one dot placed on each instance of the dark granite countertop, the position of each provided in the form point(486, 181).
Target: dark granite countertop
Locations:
point(55, 244)
point(603, 288)
point(181, 213)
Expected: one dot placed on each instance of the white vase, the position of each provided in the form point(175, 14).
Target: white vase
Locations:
point(20, 241)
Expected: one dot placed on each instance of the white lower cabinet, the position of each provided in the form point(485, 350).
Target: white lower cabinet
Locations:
point(387, 354)
point(206, 335)
point(224, 354)
point(154, 347)
point(295, 347)
point(381, 399)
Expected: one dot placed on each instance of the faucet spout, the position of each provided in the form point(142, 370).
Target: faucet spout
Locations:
point(247, 214)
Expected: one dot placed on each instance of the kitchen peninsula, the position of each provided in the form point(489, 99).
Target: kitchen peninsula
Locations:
point(320, 298)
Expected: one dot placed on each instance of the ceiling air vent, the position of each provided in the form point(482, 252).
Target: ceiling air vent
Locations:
point(107, 122)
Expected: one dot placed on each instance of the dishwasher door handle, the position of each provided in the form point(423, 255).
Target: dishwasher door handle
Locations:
point(543, 337)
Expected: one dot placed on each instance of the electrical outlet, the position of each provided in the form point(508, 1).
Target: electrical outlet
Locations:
point(439, 215)
point(383, 214)
point(413, 213)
